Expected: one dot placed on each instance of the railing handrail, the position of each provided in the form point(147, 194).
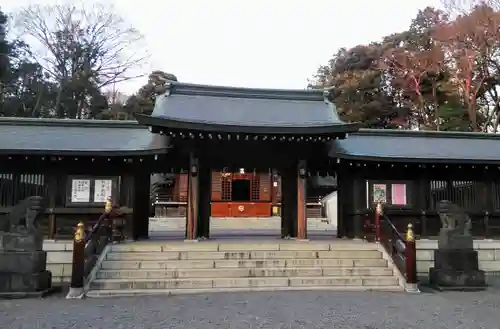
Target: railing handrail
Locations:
point(401, 248)
point(393, 228)
point(87, 248)
point(96, 226)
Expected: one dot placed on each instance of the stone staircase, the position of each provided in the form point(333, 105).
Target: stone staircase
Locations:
point(236, 223)
point(141, 268)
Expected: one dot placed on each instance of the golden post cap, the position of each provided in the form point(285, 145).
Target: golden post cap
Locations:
point(108, 206)
point(410, 236)
point(80, 232)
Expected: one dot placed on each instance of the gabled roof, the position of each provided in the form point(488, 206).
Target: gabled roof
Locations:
point(77, 137)
point(418, 146)
point(245, 110)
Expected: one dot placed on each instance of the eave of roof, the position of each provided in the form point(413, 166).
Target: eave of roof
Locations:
point(246, 110)
point(418, 146)
point(78, 137)
point(203, 126)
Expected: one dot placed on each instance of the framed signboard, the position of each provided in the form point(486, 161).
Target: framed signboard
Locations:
point(398, 195)
point(80, 190)
point(91, 191)
point(379, 193)
point(392, 193)
point(103, 189)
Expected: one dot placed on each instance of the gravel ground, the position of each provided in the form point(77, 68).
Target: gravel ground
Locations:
point(309, 310)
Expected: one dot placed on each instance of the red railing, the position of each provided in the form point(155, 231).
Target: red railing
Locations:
point(402, 249)
point(87, 246)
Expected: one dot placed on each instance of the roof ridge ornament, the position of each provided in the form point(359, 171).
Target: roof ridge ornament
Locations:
point(168, 88)
point(326, 94)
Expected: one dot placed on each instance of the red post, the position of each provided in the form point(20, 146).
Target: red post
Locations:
point(78, 266)
point(378, 214)
point(411, 256)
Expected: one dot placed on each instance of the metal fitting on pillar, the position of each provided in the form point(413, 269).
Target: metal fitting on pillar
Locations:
point(410, 235)
point(302, 169)
point(79, 235)
point(109, 206)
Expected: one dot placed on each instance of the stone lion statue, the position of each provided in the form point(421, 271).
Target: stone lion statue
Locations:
point(24, 216)
point(453, 218)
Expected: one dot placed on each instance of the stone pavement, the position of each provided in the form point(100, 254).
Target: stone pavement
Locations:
point(311, 310)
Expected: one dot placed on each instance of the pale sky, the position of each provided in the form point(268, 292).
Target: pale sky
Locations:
point(254, 43)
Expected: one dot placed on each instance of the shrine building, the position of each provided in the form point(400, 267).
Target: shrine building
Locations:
point(209, 151)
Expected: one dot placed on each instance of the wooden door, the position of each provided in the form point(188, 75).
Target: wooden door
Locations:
point(216, 186)
point(255, 188)
point(182, 187)
point(265, 187)
point(226, 188)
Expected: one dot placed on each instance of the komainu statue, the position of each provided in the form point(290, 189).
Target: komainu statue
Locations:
point(23, 218)
point(453, 218)
point(23, 262)
point(456, 263)
point(456, 224)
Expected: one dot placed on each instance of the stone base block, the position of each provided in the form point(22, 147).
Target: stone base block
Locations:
point(449, 240)
point(456, 259)
point(23, 261)
point(20, 242)
point(16, 282)
point(448, 279)
point(32, 294)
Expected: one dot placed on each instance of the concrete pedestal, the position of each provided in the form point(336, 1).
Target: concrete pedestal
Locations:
point(456, 269)
point(23, 266)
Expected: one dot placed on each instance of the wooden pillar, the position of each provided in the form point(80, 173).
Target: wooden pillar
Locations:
point(274, 190)
point(301, 201)
point(205, 196)
point(359, 201)
point(193, 199)
point(342, 202)
point(51, 203)
point(289, 208)
point(423, 191)
point(141, 205)
point(285, 203)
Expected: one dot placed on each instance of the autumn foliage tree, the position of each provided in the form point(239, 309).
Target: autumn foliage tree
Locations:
point(440, 74)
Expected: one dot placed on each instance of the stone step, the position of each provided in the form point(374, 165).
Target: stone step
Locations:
point(248, 263)
point(148, 292)
point(216, 283)
point(221, 227)
point(215, 223)
point(244, 272)
point(289, 245)
point(217, 255)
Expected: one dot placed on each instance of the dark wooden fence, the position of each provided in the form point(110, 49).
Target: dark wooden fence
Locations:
point(60, 219)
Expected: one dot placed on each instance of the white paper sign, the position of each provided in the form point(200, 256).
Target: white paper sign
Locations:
point(103, 189)
point(80, 190)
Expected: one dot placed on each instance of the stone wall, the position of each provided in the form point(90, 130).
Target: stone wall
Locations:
point(488, 253)
point(59, 259)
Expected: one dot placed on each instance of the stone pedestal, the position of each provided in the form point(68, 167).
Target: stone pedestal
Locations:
point(456, 269)
point(23, 265)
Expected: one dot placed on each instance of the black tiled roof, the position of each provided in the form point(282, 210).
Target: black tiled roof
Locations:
point(415, 146)
point(246, 110)
point(96, 137)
